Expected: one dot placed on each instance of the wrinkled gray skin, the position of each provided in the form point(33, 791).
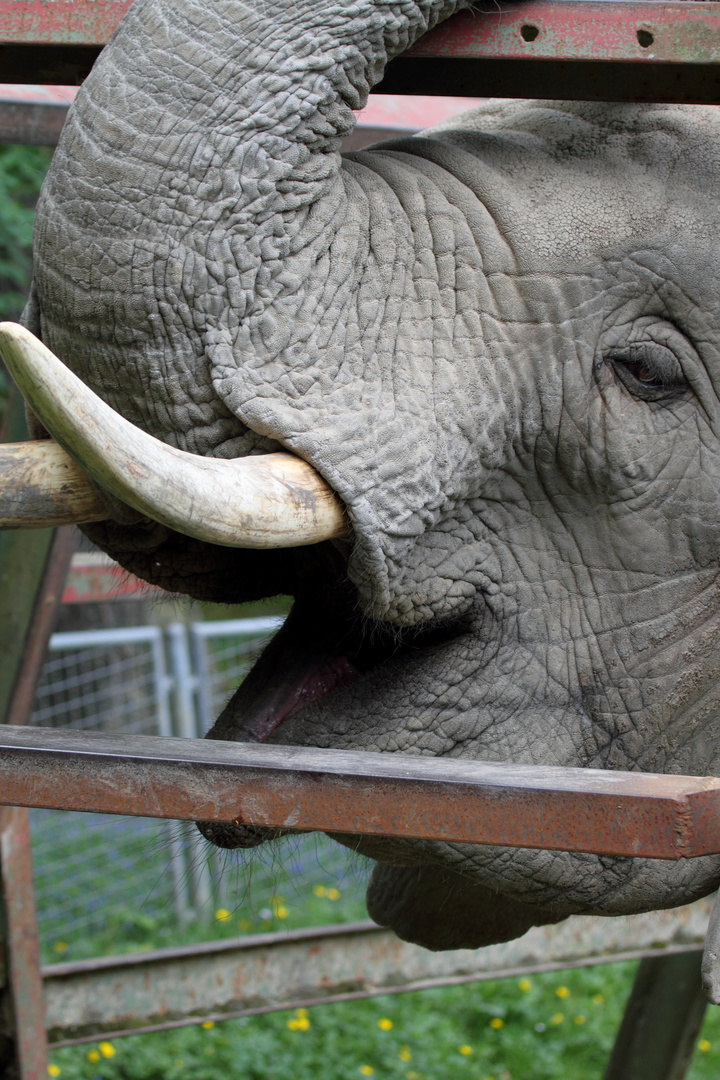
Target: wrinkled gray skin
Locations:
point(498, 343)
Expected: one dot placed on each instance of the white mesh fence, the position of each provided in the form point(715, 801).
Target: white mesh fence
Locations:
point(102, 881)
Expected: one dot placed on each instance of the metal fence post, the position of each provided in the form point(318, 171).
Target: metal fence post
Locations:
point(662, 1020)
point(23, 1045)
point(186, 726)
point(33, 568)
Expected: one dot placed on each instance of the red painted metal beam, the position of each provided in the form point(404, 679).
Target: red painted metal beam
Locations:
point(531, 47)
point(73, 22)
point(93, 577)
point(641, 31)
point(304, 789)
point(681, 30)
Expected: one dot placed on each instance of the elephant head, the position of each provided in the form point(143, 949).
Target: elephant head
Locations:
point(498, 343)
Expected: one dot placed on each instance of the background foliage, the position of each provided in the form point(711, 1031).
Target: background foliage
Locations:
point(22, 170)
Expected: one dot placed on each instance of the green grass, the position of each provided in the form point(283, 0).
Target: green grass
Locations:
point(553, 1025)
point(505, 1029)
point(103, 886)
point(511, 1029)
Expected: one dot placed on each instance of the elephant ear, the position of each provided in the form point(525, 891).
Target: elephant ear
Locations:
point(439, 909)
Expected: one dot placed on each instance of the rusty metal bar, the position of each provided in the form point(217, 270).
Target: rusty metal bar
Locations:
point(31, 123)
point(305, 789)
point(635, 50)
point(681, 30)
point(27, 1008)
point(217, 980)
point(48, 597)
point(636, 31)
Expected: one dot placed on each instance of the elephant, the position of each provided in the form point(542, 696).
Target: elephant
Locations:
point(497, 342)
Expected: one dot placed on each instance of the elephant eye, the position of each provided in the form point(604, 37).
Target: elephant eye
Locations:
point(650, 371)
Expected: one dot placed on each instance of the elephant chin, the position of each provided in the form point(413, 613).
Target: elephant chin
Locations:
point(439, 909)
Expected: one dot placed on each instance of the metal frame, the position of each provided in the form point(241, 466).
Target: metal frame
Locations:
point(167, 988)
point(623, 50)
point(301, 789)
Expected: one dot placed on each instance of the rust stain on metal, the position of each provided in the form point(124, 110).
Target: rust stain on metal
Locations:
point(23, 948)
point(682, 30)
point(675, 31)
point(74, 22)
point(299, 788)
point(216, 980)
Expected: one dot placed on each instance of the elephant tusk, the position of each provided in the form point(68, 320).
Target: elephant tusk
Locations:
point(41, 486)
point(268, 501)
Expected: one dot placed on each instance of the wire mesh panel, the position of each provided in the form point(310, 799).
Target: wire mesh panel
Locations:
point(223, 653)
point(107, 884)
point(99, 876)
point(105, 680)
point(311, 878)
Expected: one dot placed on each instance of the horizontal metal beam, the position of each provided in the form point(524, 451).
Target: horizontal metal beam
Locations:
point(637, 31)
point(261, 973)
point(639, 50)
point(335, 791)
point(586, 50)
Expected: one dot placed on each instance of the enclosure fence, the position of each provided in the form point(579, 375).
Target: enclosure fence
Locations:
point(104, 876)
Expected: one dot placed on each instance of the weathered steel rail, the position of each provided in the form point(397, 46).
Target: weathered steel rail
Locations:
point(623, 50)
point(335, 791)
point(165, 988)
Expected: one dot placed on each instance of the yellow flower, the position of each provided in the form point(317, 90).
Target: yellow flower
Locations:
point(278, 907)
point(334, 894)
point(580, 1019)
point(525, 985)
point(557, 1019)
point(405, 1054)
point(222, 914)
point(60, 947)
point(497, 1023)
point(411, 1075)
point(366, 1070)
point(703, 1045)
point(106, 1049)
point(384, 1024)
point(562, 992)
point(598, 999)
point(299, 1022)
point(92, 1055)
point(53, 1070)
point(466, 1050)
point(244, 924)
point(318, 890)
point(207, 1024)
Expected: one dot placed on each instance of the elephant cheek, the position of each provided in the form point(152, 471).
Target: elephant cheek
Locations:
point(439, 909)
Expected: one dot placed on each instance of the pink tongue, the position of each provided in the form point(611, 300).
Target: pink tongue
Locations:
point(321, 678)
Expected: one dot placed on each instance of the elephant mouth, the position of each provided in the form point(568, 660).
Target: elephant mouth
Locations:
point(324, 646)
point(307, 662)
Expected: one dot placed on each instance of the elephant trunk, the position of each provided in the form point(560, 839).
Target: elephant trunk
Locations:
point(198, 180)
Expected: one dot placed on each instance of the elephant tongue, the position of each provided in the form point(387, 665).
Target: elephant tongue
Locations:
point(302, 663)
point(321, 677)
